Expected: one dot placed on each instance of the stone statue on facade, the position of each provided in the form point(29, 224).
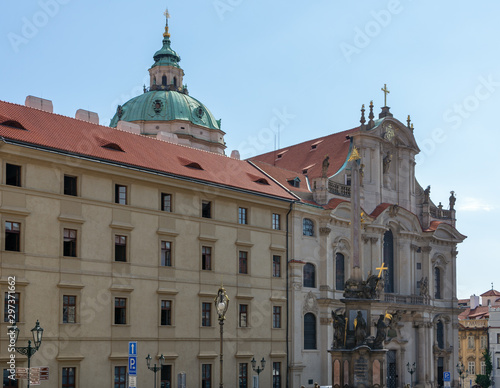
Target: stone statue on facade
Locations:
point(453, 199)
point(381, 335)
point(427, 194)
point(339, 327)
point(324, 167)
point(359, 329)
point(387, 162)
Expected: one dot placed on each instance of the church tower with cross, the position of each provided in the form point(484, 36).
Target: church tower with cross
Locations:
point(166, 110)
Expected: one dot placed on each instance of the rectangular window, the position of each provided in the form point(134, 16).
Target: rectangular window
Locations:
point(206, 209)
point(11, 307)
point(498, 338)
point(243, 262)
point(166, 376)
point(276, 317)
point(470, 341)
point(276, 221)
point(166, 254)
point(120, 248)
point(166, 312)
point(242, 216)
point(206, 376)
point(121, 194)
point(69, 245)
point(243, 375)
point(12, 236)
point(12, 175)
point(484, 343)
point(120, 311)
point(69, 377)
point(206, 258)
point(243, 318)
point(276, 266)
point(8, 382)
point(206, 314)
point(472, 368)
point(276, 374)
point(498, 363)
point(69, 309)
point(483, 367)
point(70, 185)
point(120, 377)
point(166, 202)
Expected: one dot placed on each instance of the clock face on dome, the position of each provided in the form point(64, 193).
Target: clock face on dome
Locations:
point(389, 131)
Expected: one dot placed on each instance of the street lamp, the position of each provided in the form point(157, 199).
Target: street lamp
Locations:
point(154, 368)
point(258, 369)
point(221, 302)
point(411, 371)
point(29, 350)
point(462, 372)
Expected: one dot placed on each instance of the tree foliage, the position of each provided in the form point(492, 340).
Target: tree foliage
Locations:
point(485, 380)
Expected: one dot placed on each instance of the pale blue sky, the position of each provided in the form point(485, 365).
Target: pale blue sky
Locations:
point(308, 65)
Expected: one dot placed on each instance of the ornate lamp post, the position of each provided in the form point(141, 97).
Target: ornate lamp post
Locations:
point(258, 369)
point(29, 350)
point(154, 368)
point(462, 372)
point(411, 370)
point(221, 304)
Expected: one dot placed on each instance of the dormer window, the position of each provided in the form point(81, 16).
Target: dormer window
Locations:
point(295, 182)
point(194, 166)
point(314, 146)
point(13, 124)
point(262, 181)
point(304, 171)
point(113, 147)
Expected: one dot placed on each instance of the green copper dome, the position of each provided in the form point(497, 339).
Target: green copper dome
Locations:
point(166, 56)
point(165, 105)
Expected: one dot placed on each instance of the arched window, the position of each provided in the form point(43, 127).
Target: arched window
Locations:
point(307, 227)
point(437, 283)
point(440, 335)
point(154, 80)
point(389, 262)
point(309, 275)
point(164, 80)
point(309, 331)
point(175, 81)
point(339, 271)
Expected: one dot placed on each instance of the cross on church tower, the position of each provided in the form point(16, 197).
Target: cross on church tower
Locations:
point(386, 92)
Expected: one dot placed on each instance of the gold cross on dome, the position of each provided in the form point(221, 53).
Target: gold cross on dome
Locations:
point(167, 15)
point(381, 269)
point(386, 92)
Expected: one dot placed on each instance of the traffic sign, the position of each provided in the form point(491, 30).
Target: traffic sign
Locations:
point(132, 348)
point(132, 358)
point(446, 376)
point(44, 373)
point(132, 381)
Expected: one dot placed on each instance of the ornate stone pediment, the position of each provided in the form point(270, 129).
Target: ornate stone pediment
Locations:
point(310, 304)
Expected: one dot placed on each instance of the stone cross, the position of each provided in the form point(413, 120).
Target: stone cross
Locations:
point(386, 92)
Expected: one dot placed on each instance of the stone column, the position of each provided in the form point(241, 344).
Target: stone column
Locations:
point(355, 222)
point(421, 362)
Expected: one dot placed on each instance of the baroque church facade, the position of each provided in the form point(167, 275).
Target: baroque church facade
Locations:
point(132, 229)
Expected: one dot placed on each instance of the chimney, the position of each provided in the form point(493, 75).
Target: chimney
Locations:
point(474, 301)
point(39, 103)
point(128, 127)
point(235, 154)
point(86, 115)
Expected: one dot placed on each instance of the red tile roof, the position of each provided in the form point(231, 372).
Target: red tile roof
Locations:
point(310, 155)
point(491, 293)
point(283, 176)
point(477, 313)
point(86, 139)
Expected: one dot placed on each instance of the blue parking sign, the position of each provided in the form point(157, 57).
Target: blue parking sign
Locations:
point(446, 376)
point(132, 358)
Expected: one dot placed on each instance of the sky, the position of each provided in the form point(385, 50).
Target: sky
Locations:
point(307, 66)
